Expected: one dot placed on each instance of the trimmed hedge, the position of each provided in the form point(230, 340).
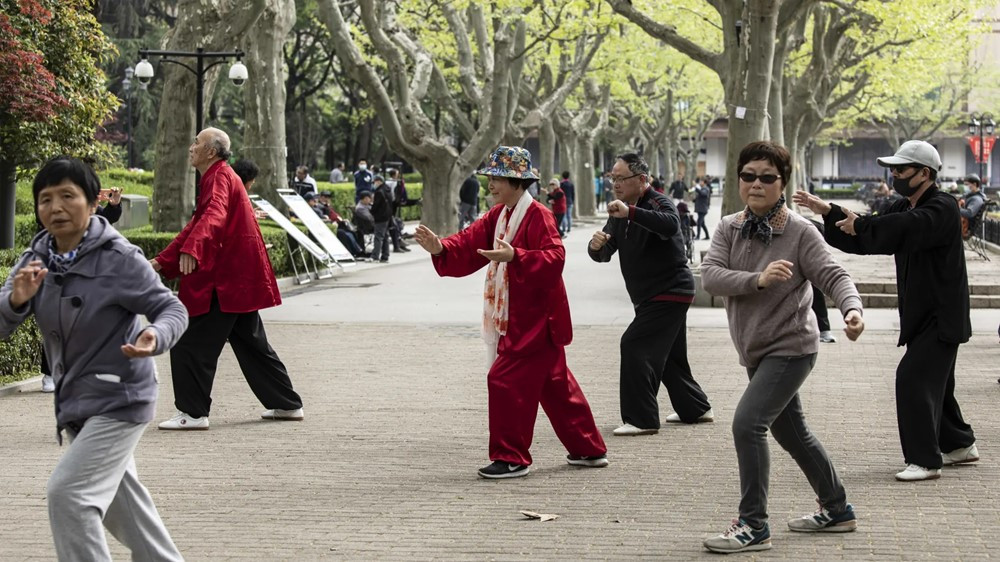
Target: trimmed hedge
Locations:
point(20, 353)
point(835, 193)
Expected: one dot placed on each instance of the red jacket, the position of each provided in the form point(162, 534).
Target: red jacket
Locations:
point(539, 309)
point(224, 237)
point(558, 199)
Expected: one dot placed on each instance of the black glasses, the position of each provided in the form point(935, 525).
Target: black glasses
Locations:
point(900, 168)
point(766, 179)
point(616, 179)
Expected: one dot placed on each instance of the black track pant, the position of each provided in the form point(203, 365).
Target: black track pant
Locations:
point(195, 357)
point(930, 421)
point(654, 350)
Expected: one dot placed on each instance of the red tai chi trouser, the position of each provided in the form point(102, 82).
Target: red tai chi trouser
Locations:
point(517, 384)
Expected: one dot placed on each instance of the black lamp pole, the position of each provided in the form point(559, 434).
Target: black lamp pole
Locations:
point(199, 71)
point(981, 125)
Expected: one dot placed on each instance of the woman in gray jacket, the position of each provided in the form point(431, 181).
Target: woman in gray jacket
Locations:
point(764, 261)
point(87, 286)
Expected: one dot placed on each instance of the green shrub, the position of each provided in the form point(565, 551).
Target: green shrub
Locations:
point(25, 229)
point(152, 243)
point(132, 183)
point(20, 353)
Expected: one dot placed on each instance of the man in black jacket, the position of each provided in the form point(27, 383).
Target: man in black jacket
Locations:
point(382, 213)
point(644, 227)
point(922, 231)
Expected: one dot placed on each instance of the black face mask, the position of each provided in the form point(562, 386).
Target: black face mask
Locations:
point(902, 186)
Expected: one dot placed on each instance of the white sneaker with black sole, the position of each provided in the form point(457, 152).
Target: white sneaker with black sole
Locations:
point(503, 469)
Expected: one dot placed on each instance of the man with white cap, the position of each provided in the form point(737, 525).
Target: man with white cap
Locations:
point(922, 231)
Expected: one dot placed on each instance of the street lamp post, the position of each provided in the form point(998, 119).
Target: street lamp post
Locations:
point(981, 125)
point(237, 73)
point(127, 89)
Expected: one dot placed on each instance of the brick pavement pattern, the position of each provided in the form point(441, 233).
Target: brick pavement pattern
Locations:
point(383, 467)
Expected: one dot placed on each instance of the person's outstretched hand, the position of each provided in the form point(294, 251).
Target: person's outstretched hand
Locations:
point(847, 225)
point(144, 346)
point(428, 240)
point(855, 325)
point(811, 202)
point(27, 281)
point(504, 253)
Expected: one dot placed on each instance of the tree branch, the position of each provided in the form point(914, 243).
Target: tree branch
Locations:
point(668, 34)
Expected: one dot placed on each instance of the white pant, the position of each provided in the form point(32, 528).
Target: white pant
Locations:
point(96, 483)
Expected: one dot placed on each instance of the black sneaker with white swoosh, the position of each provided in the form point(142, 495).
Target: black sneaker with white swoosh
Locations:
point(502, 469)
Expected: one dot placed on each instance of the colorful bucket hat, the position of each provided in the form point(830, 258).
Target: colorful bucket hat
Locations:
point(509, 162)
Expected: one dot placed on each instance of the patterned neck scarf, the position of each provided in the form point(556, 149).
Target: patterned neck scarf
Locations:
point(760, 227)
point(60, 263)
point(497, 291)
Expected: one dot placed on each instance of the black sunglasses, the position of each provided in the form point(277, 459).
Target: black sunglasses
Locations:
point(766, 179)
point(900, 168)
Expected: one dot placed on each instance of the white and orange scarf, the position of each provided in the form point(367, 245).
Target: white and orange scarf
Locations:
point(497, 291)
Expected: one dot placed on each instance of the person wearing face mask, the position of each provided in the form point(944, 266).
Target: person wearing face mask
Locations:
point(362, 180)
point(922, 232)
point(526, 321)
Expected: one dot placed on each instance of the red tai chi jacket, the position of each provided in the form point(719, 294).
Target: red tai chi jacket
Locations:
point(224, 237)
point(538, 316)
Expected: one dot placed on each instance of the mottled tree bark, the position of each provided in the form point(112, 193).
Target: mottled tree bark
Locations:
point(264, 139)
point(214, 25)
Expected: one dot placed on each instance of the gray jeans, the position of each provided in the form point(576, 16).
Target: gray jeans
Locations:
point(95, 483)
point(771, 401)
point(381, 250)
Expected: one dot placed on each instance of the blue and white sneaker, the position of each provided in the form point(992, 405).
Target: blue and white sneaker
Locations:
point(501, 469)
point(740, 537)
point(822, 521)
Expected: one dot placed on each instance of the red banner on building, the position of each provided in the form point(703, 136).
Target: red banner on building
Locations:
point(981, 152)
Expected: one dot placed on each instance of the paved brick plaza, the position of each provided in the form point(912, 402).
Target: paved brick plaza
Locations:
point(384, 465)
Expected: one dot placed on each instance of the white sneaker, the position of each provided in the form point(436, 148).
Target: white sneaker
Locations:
point(631, 430)
point(914, 472)
point(184, 421)
point(707, 417)
point(959, 456)
point(48, 385)
point(827, 337)
point(284, 415)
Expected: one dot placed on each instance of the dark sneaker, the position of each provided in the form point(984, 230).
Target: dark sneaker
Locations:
point(740, 537)
point(592, 462)
point(502, 469)
point(822, 521)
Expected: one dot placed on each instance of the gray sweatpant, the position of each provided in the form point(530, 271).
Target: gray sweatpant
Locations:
point(771, 401)
point(96, 482)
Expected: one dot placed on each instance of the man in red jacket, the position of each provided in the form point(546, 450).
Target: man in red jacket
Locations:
point(226, 278)
point(526, 322)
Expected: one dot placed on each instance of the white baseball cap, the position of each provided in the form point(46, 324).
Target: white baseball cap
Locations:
point(913, 152)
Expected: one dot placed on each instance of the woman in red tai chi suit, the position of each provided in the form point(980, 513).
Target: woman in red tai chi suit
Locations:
point(526, 322)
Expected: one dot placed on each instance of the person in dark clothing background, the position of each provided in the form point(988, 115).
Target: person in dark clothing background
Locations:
point(644, 227)
point(702, 201)
point(819, 308)
point(922, 232)
point(678, 190)
point(382, 213)
point(570, 191)
point(468, 202)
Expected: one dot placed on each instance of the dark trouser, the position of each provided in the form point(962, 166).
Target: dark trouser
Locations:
point(654, 350)
point(381, 249)
point(819, 309)
point(930, 421)
point(394, 232)
point(195, 357)
point(771, 401)
point(559, 223)
point(350, 242)
point(701, 226)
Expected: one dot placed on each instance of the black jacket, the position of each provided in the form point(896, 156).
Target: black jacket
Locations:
point(110, 212)
point(651, 248)
point(382, 204)
point(931, 280)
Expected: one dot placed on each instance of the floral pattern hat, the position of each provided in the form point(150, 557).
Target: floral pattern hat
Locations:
point(509, 162)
